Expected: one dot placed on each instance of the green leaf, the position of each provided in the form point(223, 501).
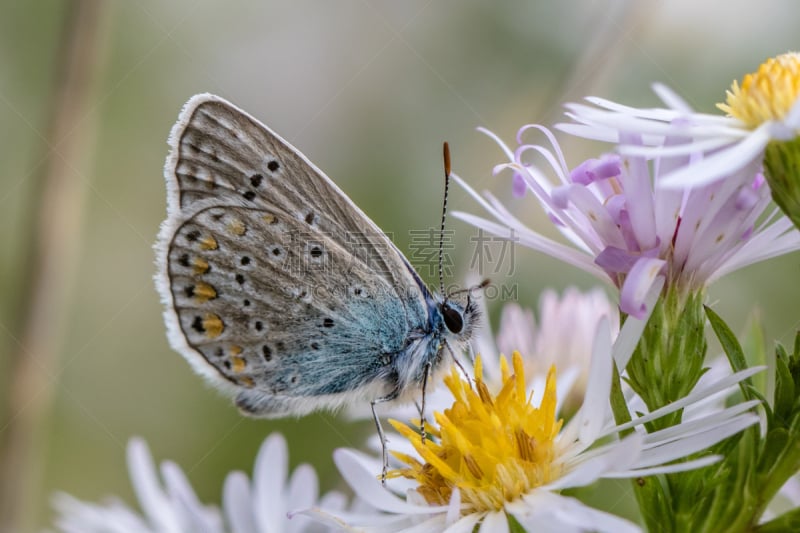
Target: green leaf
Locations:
point(732, 349)
point(784, 389)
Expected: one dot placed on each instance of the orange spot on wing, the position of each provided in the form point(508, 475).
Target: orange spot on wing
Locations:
point(238, 364)
point(200, 265)
point(209, 243)
point(213, 326)
point(204, 292)
point(237, 227)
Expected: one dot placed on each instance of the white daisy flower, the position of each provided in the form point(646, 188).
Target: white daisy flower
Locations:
point(491, 456)
point(169, 505)
point(763, 113)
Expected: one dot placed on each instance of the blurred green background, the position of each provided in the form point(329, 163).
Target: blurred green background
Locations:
point(368, 90)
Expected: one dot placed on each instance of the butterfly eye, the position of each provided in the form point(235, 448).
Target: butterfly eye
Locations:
point(452, 319)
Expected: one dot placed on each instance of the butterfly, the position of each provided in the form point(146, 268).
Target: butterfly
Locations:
point(277, 288)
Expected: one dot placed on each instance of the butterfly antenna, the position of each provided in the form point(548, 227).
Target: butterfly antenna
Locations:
point(446, 154)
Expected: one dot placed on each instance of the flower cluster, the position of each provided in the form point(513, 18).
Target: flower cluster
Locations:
point(592, 390)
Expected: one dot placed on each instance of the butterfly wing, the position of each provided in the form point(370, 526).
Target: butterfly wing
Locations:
point(276, 286)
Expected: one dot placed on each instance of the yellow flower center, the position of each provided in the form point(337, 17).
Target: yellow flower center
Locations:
point(767, 94)
point(492, 448)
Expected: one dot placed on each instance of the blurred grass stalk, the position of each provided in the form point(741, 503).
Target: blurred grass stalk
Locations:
point(49, 264)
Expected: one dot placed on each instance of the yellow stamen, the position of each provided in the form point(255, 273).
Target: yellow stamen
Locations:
point(493, 448)
point(767, 94)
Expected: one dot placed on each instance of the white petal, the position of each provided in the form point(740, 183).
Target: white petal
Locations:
point(237, 503)
point(671, 99)
point(724, 162)
point(699, 424)
point(692, 397)
point(269, 478)
point(549, 512)
point(193, 515)
point(435, 524)
point(494, 522)
point(665, 469)
point(792, 119)
point(466, 524)
point(672, 150)
point(80, 517)
point(454, 507)
point(599, 463)
point(367, 486)
point(153, 501)
point(595, 404)
point(303, 493)
point(694, 443)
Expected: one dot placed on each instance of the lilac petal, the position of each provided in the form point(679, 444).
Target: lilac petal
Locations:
point(635, 178)
point(560, 195)
point(553, 142)
point(593, 218)
point(503, 146)
point(746, 199)
point(591, 170)
point(537, 242)
point(517, 331)
point(637, 284)
point(518, 185)
point(632, 330)
point(552, 160)
point(616, 260)
point(500, 167)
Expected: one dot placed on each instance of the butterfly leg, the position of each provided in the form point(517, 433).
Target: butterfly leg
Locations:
point(427, 373)
point(381, 434)
point(458, 363)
